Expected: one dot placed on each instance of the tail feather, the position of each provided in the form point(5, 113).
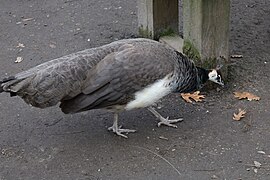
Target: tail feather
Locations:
point(10, 81)
point(5, 80)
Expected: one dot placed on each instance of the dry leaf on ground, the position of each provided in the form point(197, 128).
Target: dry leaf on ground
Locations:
point(195, 96)
point(249, 96)
point(240, 115)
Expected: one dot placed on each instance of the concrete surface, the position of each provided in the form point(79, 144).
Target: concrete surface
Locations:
point(46, 144)
point(175, 42)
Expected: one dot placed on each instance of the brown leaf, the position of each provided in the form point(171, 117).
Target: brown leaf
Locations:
point(195, 96)
point(249, 96)
point(240, 115)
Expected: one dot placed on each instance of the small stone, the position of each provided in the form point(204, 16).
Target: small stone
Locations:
point(261, 152)
point(84, 172)
point(255, 170)
point(52, 46)
point(19, 59)
point(257, 164)
point(20, 45)
point(214, 177)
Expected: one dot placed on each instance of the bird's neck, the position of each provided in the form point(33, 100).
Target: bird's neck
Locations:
point(202, 75)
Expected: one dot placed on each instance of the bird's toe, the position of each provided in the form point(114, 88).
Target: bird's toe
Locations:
point(119, 131)
point(168, 122)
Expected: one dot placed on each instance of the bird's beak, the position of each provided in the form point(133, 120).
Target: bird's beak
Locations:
point(220, 82)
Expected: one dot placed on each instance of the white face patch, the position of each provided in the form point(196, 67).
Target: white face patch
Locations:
point(215, 77)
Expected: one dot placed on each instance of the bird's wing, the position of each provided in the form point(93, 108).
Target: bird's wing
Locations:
point(115, 79)
point(48, 83)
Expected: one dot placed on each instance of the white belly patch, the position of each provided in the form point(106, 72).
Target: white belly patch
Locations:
point(149, 95)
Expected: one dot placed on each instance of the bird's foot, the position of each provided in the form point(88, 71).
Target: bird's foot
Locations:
point(167, 122)
point(117, 130)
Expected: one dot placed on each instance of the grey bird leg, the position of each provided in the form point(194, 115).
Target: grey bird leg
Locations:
point(117, 129)
point(163, 120)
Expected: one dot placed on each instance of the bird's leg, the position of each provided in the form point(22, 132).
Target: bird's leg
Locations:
point(117, 129)
point(163, 120)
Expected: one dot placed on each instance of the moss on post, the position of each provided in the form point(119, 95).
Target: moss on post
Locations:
point(190, 51)
point(206, 32)
point(209, 63)
point(165, 32)
point(145, 32)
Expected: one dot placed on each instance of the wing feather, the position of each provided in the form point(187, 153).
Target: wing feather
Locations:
point(117, 77)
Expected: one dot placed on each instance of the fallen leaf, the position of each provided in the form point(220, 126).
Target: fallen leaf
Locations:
point(240, 115)
point(236, 56)
point(257, 164)
point(19, 59)
point(249, 96)
point(195, 96)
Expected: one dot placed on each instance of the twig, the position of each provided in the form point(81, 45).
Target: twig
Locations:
point(161, 157)
point(53, 123)
point(252, 165)
point(27, 19)
point(236, 56)
point(74, 132)
point(162, 137)
point(204, 170)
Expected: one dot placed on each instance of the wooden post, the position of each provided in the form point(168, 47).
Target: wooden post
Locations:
point(206, 31)
point(157, 18)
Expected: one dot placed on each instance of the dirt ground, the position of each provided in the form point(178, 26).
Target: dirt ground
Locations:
point(208, 144)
